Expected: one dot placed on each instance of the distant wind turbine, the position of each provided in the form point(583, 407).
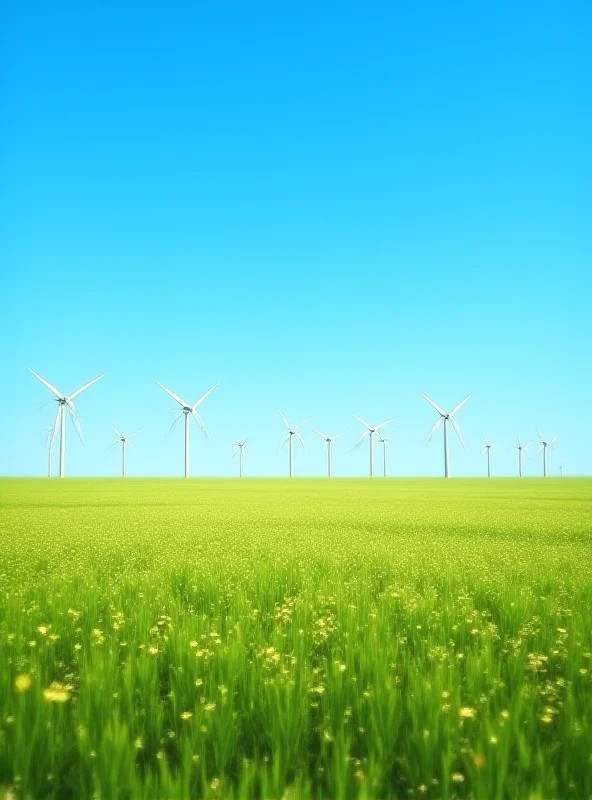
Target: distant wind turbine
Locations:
point(125, 440)
point(561, 470)
point(521, 449)
point(370, 431)
point(238, 447)
point(384, 440)
point(487, 450)
point(65, 406)
point(543, 447)
point(288, 438)
point(328, 442)
point(188, 410)
point(446, 418)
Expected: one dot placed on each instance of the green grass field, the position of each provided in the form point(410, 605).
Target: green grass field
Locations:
point(267, 638)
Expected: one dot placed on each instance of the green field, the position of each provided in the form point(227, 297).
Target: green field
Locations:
point(267, 638)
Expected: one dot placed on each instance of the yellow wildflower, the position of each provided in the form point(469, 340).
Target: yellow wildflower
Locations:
point(57, 693)
point(22, 682)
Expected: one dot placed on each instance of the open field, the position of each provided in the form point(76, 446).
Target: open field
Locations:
point(267, 638)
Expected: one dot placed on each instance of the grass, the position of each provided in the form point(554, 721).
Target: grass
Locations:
point(266, 638)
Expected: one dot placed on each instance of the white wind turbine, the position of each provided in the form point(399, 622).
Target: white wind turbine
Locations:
point(384, 440)
point(328, 441)
point(522, 448)
point(487, 450)
point(125, 440)
point(187, 411)
point(288, 438)
point(65, 406)
point(238, 447)
point(370, 431)
point(543, 447)
point(446, 418)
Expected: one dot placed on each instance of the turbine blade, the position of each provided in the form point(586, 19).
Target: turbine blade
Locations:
point(284, 440)
point(75, 420)
point(382, 424)
point(300, 439)
point(361, 440)
point(323, 435)
point(362, 421)
point(539, 450)
point(203, 397)
point(554, 439)
point(115, 429)
point(86, 385)
point(173, 395)
point(433, 431)
point(135, 433)
point(297, 428)
point(285, 420)
point(433, 404)
point(338, 435)
point(54, 429)
point(540, 434)
point(458, 433)
point(200, 422)
point(173, 425)
point(46, 383)
point(460, 405)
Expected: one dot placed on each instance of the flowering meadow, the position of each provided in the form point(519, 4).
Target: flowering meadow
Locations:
point(296, 639)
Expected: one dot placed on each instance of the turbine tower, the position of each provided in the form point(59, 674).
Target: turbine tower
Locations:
point(49, 444)
point(543, 447)
point(446, 418)
point(288, 438)
point(487, 450)
point(238, 448)
point(384, 440)
point(370, 431)
point(521, 449)
point(328, 441)
point(125, 440)
point(187, 411)
point(65, 407)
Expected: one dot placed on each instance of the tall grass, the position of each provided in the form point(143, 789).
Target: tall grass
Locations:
point(172, 639)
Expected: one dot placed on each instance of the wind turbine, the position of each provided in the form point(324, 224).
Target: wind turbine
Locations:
point(487, 449)
point(446, 418)
point(288, 438)
point(238, 448)
point(370, 431)
point(543, 447)
point(521, 449)
point(125, 440)
point(328, 440)
point(384, 440)
point(187, 411)
point(65, 406)
point(561, 470)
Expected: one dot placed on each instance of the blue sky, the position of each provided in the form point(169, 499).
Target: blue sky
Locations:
point(329, 208)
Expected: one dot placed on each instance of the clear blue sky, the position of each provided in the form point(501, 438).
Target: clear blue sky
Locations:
point(329, 208)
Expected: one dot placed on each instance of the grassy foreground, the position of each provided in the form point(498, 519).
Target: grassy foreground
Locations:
point(267, 638)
